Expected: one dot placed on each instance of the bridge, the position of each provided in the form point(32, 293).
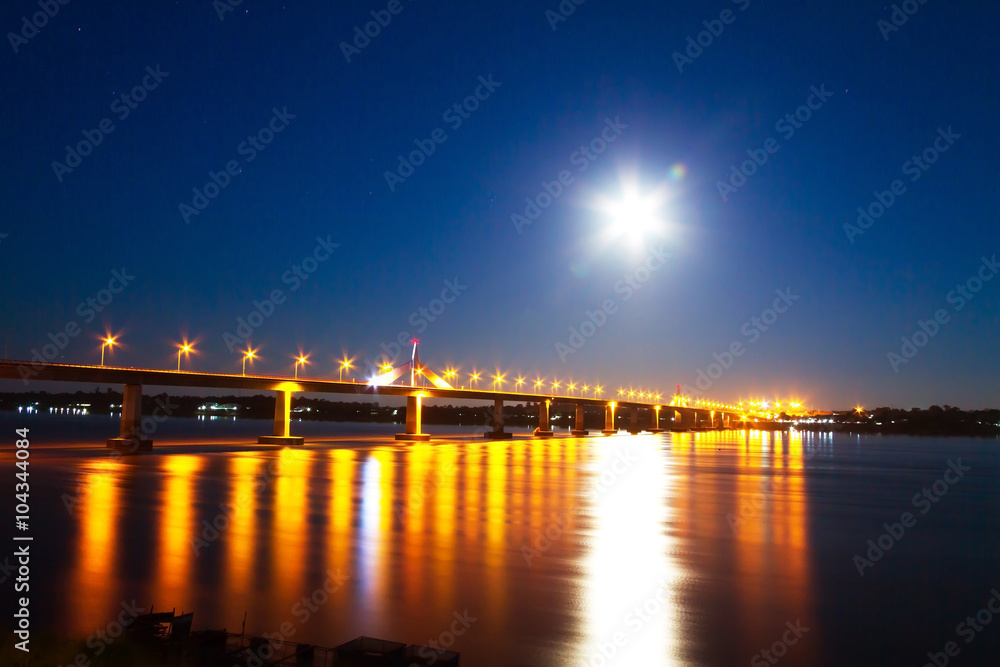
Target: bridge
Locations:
point(646, 413)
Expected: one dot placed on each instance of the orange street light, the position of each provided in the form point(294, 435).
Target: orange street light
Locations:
point(538, 383)
point(302, 360)
point(249, 354)
point(185, 349)
point(344, 363)
point(109, 342)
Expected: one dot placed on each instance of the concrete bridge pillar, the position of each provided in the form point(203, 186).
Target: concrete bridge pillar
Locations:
point(498, 433)
point(543, 430)
point(633, 420)
point(282, 427)
point(413, 424)
point(609, 420)
point(130, 438)
point(580, 430)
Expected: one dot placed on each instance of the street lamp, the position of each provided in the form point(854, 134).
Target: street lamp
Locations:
point(249, 354)
point(474, 377)
point(344, 363)
point(538, 383)
point(518, 382)
point(555, 385)
point(497, 379)
point(302, 360)
point(109, 342)
point(184, 349)
point(597, 390)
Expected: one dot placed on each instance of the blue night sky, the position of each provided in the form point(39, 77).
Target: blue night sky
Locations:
point(601, 101)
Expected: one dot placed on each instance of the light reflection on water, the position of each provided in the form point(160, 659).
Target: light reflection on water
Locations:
point(564, 550)
point(429, 529)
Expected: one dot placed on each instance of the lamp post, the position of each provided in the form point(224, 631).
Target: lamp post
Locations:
point(249, 354)
point(345, 363)
point(184, 349)
point(108, 342)
point(301, 361)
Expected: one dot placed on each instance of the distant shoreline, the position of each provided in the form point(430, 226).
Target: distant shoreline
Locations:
point(934, 421)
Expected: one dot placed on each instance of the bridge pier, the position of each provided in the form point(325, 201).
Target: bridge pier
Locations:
point(413, 421)
point(543, 430)
point(580, 429)
point(130, 438)
point(282, 426)
point(633, 420)
point(498, 433)
point(656, 420)
point(686, 420)
point(609, 420)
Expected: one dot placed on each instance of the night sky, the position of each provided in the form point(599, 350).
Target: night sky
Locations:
point(613, 99)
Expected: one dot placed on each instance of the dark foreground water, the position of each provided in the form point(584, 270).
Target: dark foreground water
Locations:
point(677, 549)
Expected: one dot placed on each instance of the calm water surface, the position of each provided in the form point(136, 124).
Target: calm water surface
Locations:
point(676, 549)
